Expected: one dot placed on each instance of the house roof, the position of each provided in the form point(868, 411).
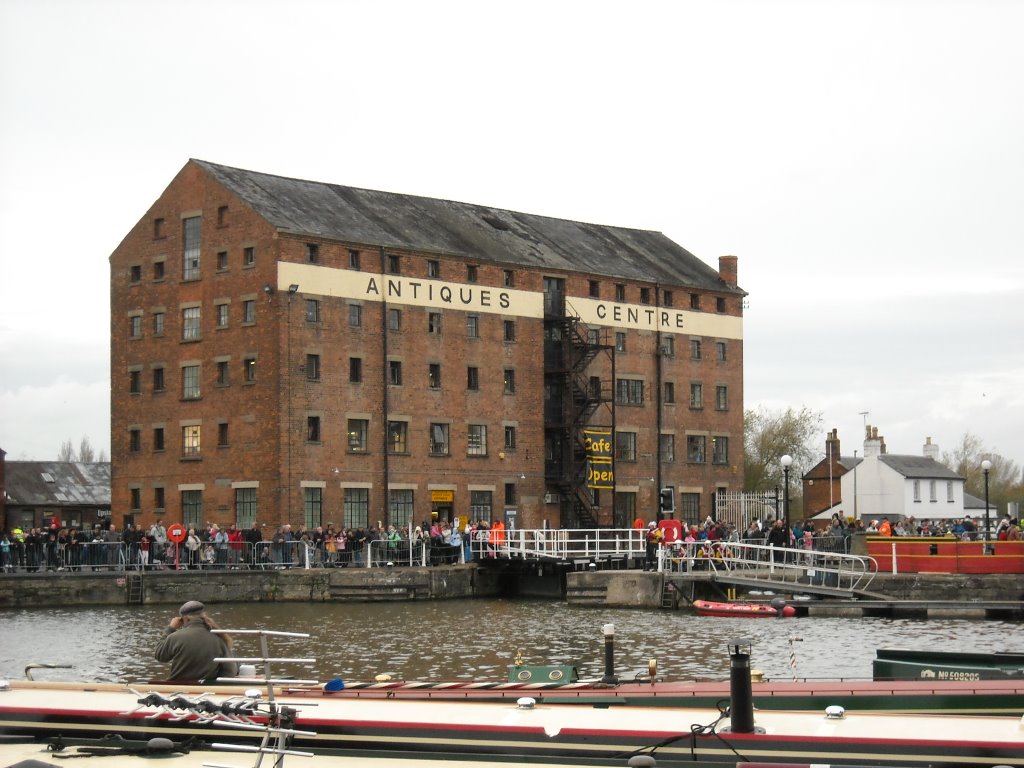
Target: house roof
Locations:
point(391, 220)
point(918, 467)
point(58, 483)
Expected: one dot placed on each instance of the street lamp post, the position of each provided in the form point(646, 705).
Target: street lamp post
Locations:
point(786, 460)
point(986, 465)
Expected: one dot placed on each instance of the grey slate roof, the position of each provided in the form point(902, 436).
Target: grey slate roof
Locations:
point(58, 483)
point(918, 467)
point(373, 218)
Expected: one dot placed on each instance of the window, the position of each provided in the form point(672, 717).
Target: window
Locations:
point(394, 264)
point(312, 310)
point(508, 278)
point(357, 507)
point(400, 507)
point(355, 315)
point(358, 434)
point(312, 429)
point(249, 311)
point(136, 498)
point(719, 304)
point(473, 326)
point(720, 351)
point(135, 381)
point(932, 491)
point(395, 372)
point(434, 375)
point(222, 261)
point(159, 383)
point(476, 440)
point(158, 229)
point(949, 490)
point(629, 391)
point(620, 341)
point(353, 258)
point(695, 447)
point(625, 509)
point(480, 505)
point(312, 253)
point(471, 273)
point(158, 438)
point(135, 273)
point(594, 289)
point(719, 450)
point(158, 497)
point(134, 440)
point(645, 295)
point(221, 313)
point(245, 507)
point(510, 330)
point(312, 507)
point(190, 389)
point(625, 446)
point(222, 215)
point(433, 268)
point(472, 378)
point(248, 256)
point(689, 507)
point(666, 298)
point(313, 367)
point(135, 326)
point(668, 447)
point(190, 247)
point(695, 351)
point(438, 439)
point(696, 395)
point(917, 490)
point(594, 387)
point(355, 369)
point(510, 381)
point(394, 319)
point(593, 336)
point(620, 292)
point(668, 345)
point(668, 392)
point(721, 398)
point(222, 434)
point(190, 323)
point(249, 369)
point(398, 437)
point(510, 438)
point(434, 323)
point(158, 323)
point(190, 441)
point(695, 301)
point(223, 374)
point(510, 494)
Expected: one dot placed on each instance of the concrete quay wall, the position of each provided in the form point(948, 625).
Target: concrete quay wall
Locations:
point(292, 585)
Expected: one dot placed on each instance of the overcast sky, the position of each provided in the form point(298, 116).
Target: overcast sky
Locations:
point(864, 160)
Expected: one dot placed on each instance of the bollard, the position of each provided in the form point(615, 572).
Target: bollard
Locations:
point(741, 695)
point(609, 656)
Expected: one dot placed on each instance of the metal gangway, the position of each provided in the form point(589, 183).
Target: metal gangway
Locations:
point(580, 547)
point(806, 571)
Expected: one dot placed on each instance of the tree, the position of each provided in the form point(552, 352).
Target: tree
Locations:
point(1004, 477)
point(768, 436)
point(66, 452)
point(85, 450)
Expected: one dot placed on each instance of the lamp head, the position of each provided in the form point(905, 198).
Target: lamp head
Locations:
point(786, 460)
point(293, 288)
point(986, 465)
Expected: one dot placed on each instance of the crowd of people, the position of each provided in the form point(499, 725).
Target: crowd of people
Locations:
point(56, 548)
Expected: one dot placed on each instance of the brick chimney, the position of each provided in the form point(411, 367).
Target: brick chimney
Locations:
point(832, 445)
point(873, 444)
point(728, 270)
point(930, 449)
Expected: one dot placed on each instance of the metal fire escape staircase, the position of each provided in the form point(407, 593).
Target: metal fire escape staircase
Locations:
point(583, 398)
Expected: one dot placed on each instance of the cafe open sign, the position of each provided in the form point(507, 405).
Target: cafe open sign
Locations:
point(600, 470)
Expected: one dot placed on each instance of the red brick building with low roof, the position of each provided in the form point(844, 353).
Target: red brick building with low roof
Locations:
point(294, 351)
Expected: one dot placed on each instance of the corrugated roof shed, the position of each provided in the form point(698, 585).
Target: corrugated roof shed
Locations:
point(476, 232)
point(58, 483)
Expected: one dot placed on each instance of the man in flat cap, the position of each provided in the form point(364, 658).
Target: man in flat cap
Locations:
point(190, 646)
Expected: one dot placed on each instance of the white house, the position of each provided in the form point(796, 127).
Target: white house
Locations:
point(881, 484)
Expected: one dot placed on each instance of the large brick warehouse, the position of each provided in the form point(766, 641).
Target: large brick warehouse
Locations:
point(294, 351)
